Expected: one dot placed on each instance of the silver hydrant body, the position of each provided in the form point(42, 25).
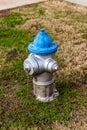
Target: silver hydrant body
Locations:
point(41, 65)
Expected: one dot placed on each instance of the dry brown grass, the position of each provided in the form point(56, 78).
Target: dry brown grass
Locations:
point(67, 24)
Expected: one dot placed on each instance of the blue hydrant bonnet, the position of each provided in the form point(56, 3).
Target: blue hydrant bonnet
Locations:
point(43, 44)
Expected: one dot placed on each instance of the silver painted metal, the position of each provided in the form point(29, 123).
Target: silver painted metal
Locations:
point(42, 68)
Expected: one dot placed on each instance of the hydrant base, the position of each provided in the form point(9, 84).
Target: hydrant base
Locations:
point(48, 98)
point(44, 88)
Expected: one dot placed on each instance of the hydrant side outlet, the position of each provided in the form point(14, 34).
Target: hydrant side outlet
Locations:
point(41, 65)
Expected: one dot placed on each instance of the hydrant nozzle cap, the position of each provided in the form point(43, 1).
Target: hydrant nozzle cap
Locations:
point(43, 44)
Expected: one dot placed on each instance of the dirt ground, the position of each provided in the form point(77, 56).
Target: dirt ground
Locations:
point(67, 23)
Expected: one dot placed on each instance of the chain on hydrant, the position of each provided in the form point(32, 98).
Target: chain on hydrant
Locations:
point(41, 65)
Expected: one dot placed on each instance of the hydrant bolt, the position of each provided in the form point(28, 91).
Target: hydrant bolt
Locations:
point(41, 65)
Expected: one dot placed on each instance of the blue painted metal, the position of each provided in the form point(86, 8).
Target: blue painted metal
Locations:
point(43, 44)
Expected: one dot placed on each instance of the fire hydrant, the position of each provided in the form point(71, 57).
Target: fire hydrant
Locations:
point(41, 65)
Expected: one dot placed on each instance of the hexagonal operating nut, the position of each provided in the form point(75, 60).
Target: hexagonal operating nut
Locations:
point(27, 69)
point(55, 67)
